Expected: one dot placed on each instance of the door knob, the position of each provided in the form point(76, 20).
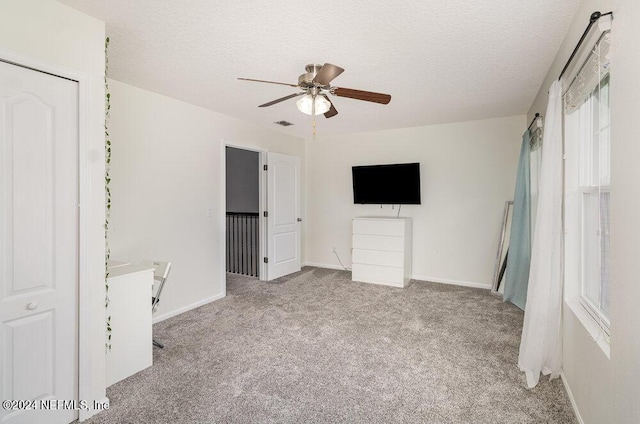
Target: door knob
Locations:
point(32, 305)
point(299, 219)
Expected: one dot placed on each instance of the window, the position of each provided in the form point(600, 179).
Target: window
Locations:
point(594, 187)
point(588, 137)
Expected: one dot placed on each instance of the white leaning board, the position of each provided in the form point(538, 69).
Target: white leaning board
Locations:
point(381, 251)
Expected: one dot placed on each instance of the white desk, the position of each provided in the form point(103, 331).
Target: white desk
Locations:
point(130, 288)
point(111, 263)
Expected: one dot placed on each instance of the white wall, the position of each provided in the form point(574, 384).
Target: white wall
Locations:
point(47, 31)
point(468, 171)
point(167, 161)
point(607, 390)
point(625, 210)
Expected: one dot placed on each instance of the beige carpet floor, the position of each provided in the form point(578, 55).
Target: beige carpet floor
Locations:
point(315, 347)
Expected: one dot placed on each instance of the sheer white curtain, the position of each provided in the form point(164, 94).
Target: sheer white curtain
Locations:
point(541, 344)
point(534, 170)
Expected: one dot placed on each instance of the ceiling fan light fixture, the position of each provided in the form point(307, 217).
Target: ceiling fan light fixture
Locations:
point(305, 104)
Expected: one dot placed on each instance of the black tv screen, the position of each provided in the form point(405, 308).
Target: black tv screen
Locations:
point(397, 184)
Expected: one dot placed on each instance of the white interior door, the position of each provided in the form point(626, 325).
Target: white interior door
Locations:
point(38, 245)
point(283, 222)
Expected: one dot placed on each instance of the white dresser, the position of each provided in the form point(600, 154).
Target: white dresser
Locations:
point(381, 250)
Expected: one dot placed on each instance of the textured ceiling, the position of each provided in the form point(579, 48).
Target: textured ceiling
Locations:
point(441, 60)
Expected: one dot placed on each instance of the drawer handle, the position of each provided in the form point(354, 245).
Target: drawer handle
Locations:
point(32, 306)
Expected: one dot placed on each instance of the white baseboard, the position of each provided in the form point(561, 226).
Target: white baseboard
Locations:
point(571, 398)
point(417, 277)
point(194, 305)
point(85, 414)
point(473, 284)
point(328, 266)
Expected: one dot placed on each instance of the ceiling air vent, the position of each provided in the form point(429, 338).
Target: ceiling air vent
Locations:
point(283, 123)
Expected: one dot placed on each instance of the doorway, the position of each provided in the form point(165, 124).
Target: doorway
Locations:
point(265, 241)
point(243, 224)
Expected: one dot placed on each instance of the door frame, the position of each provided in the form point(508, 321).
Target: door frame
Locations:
point(262, 205)
point(84, 318)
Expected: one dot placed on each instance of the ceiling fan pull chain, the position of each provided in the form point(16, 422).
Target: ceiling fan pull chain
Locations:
point(313, 113)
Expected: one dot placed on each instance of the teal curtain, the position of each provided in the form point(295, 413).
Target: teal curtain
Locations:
point(516, 280)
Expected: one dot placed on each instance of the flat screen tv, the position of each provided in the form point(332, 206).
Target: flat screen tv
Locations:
point(397, 184)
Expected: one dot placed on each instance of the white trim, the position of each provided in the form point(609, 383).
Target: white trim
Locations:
point(327, 266)
point(222, 224)
point(262, 206)
point(574, 405)
point(85, 309)
point(596, 332)
point(243, 146)
point(85, 290)
point(104, 401)
point(184, 309)
point(596, 314)
point(416, 278)
point(473, 284)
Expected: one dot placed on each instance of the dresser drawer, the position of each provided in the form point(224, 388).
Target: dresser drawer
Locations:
point(376, 257)
point(390, 276)
point(381, 251)
point(379, 227)
point(382, 243)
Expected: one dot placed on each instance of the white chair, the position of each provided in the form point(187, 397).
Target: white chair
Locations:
point(160, 274)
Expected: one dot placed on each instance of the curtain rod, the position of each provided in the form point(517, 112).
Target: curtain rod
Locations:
point(534, 120)
point(592, 20)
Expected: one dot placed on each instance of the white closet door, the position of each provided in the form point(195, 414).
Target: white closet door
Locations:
point(38, 243)
point(283, 225)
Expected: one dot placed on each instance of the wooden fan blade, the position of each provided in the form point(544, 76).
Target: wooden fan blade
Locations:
point(282, 99)
point(367, 96)
point(332, 110)
point(327, 73)
point(268, 82)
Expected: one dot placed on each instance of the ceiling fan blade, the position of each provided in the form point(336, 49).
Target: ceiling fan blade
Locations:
point(268, 82)
point(332, 111)
point(327, 73)
point(367, 96)
point(282, 99)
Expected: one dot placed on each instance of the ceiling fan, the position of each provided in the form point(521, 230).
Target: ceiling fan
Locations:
point(316, 84)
